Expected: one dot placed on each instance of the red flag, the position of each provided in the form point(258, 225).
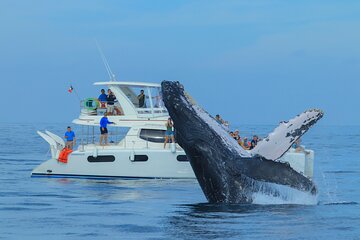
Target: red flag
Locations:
point(70, 89)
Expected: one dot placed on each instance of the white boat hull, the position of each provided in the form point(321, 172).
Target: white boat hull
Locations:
point(160, 164)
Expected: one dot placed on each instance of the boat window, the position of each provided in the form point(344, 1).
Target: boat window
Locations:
point(141, 158)
point(132, 92)
point(151, 104)
point(153, 135)
point(104, 158)
point(182, 158)
point(156, 97)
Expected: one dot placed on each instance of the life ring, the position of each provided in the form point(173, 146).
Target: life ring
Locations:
point(91, 104)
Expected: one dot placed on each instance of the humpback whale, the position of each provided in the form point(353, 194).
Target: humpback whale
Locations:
point(226, 172)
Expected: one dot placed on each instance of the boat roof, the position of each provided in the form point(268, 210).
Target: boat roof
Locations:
point(137, 84)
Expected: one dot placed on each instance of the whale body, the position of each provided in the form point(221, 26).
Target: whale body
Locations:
point(225, 171)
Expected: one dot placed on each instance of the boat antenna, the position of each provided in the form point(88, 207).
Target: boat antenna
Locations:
point(107, 66)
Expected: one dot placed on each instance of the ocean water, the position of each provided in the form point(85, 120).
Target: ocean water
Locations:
point(60, 208)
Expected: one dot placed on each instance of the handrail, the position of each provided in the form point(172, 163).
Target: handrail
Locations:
point(92, 106)
point(122, 141)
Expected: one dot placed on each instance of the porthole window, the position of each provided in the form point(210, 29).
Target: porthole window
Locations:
point(182, 158)
point(104, 158)
point(141, 158)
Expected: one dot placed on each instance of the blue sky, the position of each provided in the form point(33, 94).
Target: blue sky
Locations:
point(251, 61)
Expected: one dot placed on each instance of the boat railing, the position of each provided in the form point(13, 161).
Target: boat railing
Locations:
point(121, 139)
point(133, 141)
point(94, 107)
point(151, 111)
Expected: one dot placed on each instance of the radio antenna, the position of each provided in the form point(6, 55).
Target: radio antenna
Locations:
point(107, 66)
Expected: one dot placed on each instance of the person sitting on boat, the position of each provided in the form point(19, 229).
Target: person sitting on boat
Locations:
point(70, 138)
point(102, 99)
point(169, 131)
point(141, 98)
point(104, 121)
point(298, 147)
point(254, 142)
point(110, 99)
point(246, 144)
point(236, 135)
point(219, 119)
point(240, 142)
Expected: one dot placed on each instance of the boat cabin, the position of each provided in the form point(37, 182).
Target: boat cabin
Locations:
point(128, 101)
point(139, 122)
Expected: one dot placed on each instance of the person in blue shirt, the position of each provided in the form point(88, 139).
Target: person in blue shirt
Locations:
point(102, 98)
point(70, 138)
point(104, 121)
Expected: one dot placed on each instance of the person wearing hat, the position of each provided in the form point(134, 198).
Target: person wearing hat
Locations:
point(246, 144)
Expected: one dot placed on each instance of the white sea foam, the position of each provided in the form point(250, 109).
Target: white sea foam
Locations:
point(272, 193)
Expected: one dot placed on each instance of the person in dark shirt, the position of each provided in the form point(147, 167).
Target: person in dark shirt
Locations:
point(110, 102)
point(70, 138)
point(254, 142)
point(219, 119)
point(104, 121)
point(236, 135)
point(141, 98)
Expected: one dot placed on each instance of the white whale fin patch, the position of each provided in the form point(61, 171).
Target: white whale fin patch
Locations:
point(276, 144)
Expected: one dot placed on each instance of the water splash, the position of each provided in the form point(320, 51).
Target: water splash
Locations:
point(270, 193)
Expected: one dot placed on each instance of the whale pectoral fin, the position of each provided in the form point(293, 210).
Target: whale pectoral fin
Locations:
point(276, 144)
point(274, 172)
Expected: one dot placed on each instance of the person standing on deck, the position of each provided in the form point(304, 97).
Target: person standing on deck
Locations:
point(110, 102)
point(104, 121)
point(70, 138)
point(102, 98)
point(219, 119)
point(169, 132)
point(141, 98)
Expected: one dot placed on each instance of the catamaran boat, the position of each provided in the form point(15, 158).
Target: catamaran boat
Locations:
point(140, 152)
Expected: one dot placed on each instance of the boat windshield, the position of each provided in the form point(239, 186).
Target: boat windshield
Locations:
point(146, 99)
